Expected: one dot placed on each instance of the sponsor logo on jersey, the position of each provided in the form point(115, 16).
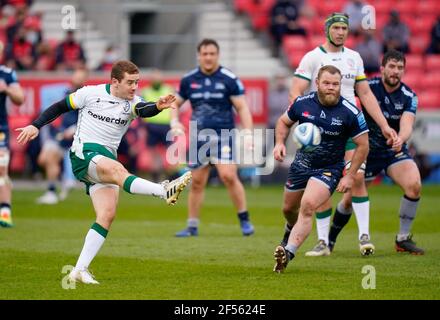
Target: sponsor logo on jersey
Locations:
point(336, 122)
point(99, 117)
point(207, 82)
point(330, 133)
point(195, 85)
point(386, 114)
point(398, 106)
point(387, 101)
point(350, 63)
point(219, 86)
point(307, 115)
point(328, 174)
point(349, 76)
point(322, 115)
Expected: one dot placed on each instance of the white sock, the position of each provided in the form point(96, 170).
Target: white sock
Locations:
point(138, 185)
point(323, 224)
point(92, 244)
point(361, 208)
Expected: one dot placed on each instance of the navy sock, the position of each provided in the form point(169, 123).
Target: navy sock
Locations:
point(52, 187)
point(339, 221)
point(243, 216)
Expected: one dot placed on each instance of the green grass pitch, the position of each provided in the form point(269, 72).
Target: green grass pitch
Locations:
point(141, 258)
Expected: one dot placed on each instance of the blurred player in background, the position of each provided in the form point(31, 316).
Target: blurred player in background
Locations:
point(9, 88)
point(399, 105)
point(214, 92)
point(104, 114)
point(314, 176)
point(349, 62)
point(159, 125)
point(55, 145)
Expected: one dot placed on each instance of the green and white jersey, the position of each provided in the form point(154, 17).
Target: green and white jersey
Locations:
point(102, 117)
point(348, 61)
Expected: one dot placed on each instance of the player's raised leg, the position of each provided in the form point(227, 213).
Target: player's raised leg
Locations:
point(291, 203)
point(107, 170)
point(315, 194)
point(228, 175)
point(5, 190)
point(410, 182)
point(195, 198)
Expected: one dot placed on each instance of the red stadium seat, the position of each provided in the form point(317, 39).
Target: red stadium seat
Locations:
point(245, 6)
point(428, 7)
point(260, 21)
point(429, 100)
point(318, 26)
point(294, 58)
point(419, 44)
point(432, 63)
point(421, 25)
point(414, 62)
point(295, 43)
point(413, 80)
point(431, 80)
point(405, 6)
point(327, 7)
point(316, 41)
point(382, 7)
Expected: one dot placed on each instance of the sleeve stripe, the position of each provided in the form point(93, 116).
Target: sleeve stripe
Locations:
point(301, 76)
point(365, 131)
point(70, 102)
point(360, 78)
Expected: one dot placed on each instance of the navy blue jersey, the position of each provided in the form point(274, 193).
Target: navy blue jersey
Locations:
point(393, 105)
point(210, 97)
point(337, 124)
point(9, 76)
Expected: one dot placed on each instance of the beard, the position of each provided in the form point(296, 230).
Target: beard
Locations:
point(392, 82)
point(328, 100)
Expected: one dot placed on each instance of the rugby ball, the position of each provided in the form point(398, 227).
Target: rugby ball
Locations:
point(307, 136)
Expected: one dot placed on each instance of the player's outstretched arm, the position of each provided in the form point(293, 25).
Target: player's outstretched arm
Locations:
point(166, 102)
point(369, 102)
point(50, 114)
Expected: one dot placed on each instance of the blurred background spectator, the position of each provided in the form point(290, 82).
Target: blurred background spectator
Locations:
point(354, 11)
point(396, 34)
point(70, 54)
point(370, 50)
point(284, 21)
point(434, 47)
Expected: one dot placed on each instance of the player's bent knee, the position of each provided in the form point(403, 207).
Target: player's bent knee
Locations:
point(414, 189)
point(228, 178)
point(308, 207)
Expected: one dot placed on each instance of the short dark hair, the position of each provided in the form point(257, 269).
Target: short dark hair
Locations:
point(206, 42)
point(393, 55)
point(330, 69)
point(123, 66)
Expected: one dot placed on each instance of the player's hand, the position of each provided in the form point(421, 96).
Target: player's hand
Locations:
point(390, 134)
point(27, 134)
point(397, 144)
point(177, 128)
point(345, 183)
point(166, 102)
point(279, 152)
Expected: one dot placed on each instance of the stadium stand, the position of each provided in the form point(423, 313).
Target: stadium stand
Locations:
point(420, 16)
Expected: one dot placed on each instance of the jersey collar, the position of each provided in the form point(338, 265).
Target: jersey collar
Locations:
point(325, 51)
